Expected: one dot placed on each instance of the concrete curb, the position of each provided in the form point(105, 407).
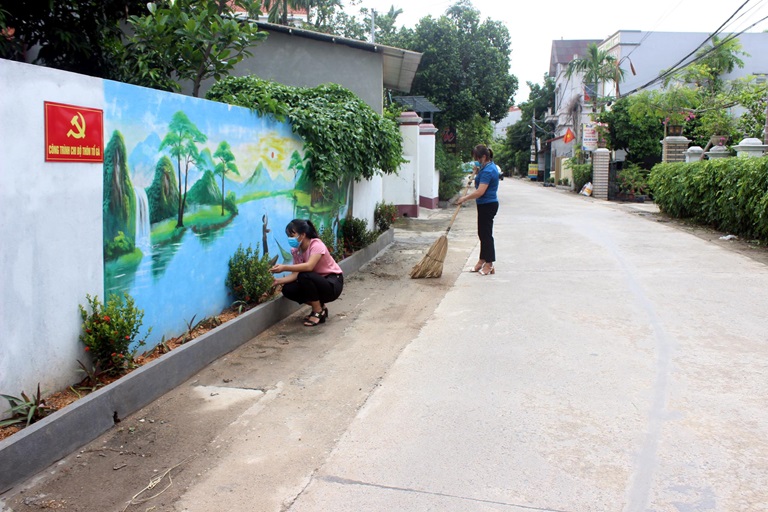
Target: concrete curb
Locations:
point(36, 447)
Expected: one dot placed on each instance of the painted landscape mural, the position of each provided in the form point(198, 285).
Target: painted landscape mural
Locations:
point(186, 181)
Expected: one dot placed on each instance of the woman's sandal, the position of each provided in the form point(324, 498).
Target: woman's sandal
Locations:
point(315, 314)
point(477, 267)
point(484, 272)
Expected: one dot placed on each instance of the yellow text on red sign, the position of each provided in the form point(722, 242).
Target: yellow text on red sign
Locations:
point(73, 134)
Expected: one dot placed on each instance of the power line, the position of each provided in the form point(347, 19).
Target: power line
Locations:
point(677, 66)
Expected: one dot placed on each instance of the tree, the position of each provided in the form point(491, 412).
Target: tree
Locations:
point(711, 63)
point(181, 141)
point(226, 164)
point(189, 40)
point(598, 66)
point(464, 69)
point(514, 151)
point(74, 35)
point(638, 134)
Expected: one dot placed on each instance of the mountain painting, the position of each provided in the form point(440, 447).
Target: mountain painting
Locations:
point(187, 181)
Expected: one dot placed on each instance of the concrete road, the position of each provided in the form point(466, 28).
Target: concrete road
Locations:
point(613, 363)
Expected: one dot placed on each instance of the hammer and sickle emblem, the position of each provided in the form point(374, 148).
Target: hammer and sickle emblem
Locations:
point(79, 124)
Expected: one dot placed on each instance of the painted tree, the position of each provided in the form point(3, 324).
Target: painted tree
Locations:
point(225, 165)
point(181, 141)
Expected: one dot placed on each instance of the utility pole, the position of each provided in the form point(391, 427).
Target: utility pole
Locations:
point(533, 137)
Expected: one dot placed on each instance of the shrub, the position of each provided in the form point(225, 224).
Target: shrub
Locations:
point(451, 175)
point(332, 242)
point(728, 194)
point(110, 330)
point(582, 174)
point(248, 278)
point(633, 180)
point(384, 216)
point(355, 234)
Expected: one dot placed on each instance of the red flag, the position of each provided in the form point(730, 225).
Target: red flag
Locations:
point(569, 136)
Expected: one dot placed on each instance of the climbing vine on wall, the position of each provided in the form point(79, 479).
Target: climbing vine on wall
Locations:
point(344, 138)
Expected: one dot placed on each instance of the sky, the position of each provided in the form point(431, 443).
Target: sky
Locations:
point(533, 26)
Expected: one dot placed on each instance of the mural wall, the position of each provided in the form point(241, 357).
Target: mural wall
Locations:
point(186, 181)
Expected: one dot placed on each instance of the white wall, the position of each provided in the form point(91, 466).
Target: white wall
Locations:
point(429, 178)
point(402, 189)
point(50, 232)
point(366, 194)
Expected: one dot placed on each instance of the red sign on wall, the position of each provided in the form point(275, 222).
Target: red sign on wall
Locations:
point(73, 134)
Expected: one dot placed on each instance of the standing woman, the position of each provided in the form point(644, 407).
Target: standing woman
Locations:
point(486, 185)
point(315, 278)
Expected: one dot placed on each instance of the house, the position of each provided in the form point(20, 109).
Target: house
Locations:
point(571, 110)
point(643, 56)
point(513, 116)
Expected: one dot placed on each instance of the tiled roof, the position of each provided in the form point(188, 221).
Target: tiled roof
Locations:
point(564, 50)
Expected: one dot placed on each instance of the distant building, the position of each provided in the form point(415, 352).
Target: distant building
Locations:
point(513, 116)
point(642, 56)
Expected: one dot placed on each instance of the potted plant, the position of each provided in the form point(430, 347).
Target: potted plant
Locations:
point(633, 183)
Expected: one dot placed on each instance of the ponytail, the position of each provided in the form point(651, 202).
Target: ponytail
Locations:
point(301, 227)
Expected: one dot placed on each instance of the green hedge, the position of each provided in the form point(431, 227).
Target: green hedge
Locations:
point(729, 194)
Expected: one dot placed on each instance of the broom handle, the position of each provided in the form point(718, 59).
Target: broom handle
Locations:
point(457, 209)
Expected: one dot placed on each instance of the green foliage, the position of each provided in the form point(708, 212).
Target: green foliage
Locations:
point(752, 97)
point(470, 133)
point(344, 138)
point(729, 194)
point(451, 175)
point(188, 40)
point(332, 242)
point(633, 180)
point(118, 246)
point(639, 136)
point(74, 35)
point(26, 409)
point(248, 278)
point(582, 173)
point(464, 69)
point(384, 215)
point(514, 152)
point(675, 105)
point(109, 330)
point(355, 234)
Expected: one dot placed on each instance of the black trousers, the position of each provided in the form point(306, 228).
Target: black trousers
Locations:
point(311, 286)
point(485, 214)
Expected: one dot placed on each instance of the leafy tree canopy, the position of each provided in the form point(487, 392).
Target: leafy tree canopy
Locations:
point(188, 40)
point(73, 35)
point(465, 65)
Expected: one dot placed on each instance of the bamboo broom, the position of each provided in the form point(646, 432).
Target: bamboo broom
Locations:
point(431, 265)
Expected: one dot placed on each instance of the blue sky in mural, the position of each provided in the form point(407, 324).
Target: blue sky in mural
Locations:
point(143, 116)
